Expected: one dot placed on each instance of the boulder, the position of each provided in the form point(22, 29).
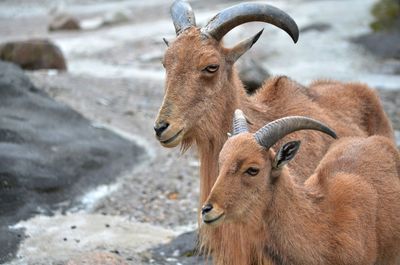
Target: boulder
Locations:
point(251, 73)
point(384, 44)
point(64, 22)
point(50, 155)
point(33, 54)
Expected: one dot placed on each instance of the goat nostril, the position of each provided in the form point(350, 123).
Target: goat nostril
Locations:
point(160, 127)
point(206, 209)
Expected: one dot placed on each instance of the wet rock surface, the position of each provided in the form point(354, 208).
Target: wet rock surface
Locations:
point(83, 238)
point(33, 54)
point(49, 154)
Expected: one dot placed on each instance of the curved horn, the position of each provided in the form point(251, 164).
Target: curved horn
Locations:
point(182, 16)
point(271, 133)
point(238, 14)
point(239, 123)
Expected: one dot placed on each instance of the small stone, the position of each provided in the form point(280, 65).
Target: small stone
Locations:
point(64, 22)
point(173, 195)
point(129, 113)
point(115, 252)
point(194, 163)
point(318, 26)
point(33, 54)
point(103, 101)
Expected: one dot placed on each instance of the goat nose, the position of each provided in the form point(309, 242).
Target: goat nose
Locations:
point(160, 127)
point(206, 209)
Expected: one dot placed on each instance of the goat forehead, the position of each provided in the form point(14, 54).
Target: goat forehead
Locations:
point(191, 45)
point(242, 147)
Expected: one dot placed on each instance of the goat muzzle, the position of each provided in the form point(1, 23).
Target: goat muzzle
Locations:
point(169, 135)
point(211, 215)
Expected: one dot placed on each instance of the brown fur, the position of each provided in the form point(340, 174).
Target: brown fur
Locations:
point(202, 104)
point(346, 213)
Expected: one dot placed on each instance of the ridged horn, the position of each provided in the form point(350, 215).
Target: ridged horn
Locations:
point(271, 133)
point(238, 14)
point(239, 123)
point(182, 16)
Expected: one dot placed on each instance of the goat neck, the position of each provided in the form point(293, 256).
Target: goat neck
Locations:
point(290, 203)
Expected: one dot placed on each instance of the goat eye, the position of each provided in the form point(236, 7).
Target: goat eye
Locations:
point(212, 68)
point(252, 171)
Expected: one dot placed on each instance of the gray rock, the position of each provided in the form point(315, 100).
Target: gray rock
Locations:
point(318, 26)
point(9, 239)
point(64, 22)
point(33, 54)
point(182, 249)
point(384, 44)
point(251, 73)
point(49, 154)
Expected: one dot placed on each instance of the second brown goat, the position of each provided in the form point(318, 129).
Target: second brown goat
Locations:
point(347, 212)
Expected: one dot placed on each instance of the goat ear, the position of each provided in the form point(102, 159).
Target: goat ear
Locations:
point(166, 41)
point(243, 47)
point(285, 154)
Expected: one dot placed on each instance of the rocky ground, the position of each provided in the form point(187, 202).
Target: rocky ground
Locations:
point(115, 80)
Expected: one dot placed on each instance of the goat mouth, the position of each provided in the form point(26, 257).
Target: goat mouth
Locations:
point(215, 220)
point(170, 140)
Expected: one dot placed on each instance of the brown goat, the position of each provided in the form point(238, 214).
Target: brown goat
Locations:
point(203, 88)
point(346, 213)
